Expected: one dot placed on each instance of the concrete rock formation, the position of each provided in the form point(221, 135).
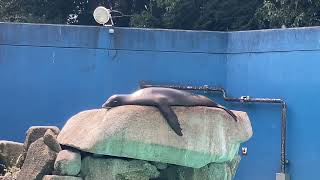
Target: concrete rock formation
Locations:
point(55, 177)
point(68, 163)
point(36, 132)
point(141, 132)
point(50, 139)
point(33, 134)
point(212, 171)
point(10, 153)
point(39, 161)
point(116, 169)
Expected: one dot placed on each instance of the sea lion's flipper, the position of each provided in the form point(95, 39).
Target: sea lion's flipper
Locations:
point(229, 112)
point(171, 118)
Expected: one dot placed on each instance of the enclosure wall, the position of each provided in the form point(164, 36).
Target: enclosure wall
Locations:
point(49, 73)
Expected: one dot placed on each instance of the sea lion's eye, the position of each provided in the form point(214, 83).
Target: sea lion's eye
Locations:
point(115, 101)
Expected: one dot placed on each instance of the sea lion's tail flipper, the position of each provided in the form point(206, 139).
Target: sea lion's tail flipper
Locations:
point(229, 112)
point(171, 118)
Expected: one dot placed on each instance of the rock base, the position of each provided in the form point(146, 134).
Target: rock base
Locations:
point(55, 177)
point(112, 168)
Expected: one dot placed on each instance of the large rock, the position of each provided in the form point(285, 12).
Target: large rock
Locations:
point(50, 139)
point(68, 163)
point(55, 177)
point(39, 161)
point(33, 134)
point(141, 132)
point(117, 169)
point(212, 171)
point(36, 132)
point(5, 178)
point(10, 153)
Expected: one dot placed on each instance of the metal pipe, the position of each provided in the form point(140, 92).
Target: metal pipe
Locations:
point(242, 99)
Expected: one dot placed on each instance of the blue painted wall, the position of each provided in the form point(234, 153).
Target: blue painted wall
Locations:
point(48, 73)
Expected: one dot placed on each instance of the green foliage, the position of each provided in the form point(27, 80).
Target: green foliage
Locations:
point(288, 13)
point(35, 11)
point(198, 14)
point(222, 15)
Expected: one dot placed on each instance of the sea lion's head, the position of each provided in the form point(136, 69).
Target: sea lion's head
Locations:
point(113, 101)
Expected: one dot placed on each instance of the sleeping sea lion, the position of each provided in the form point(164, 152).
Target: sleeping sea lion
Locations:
point(163, 99)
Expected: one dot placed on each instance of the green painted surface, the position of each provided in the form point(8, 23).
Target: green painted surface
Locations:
point(165, 154)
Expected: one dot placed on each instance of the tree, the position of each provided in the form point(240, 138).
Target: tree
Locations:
point(35, 11)
point(222, 15)
point(199, 14)
point(288, 13)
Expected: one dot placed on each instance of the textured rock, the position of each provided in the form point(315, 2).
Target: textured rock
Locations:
point(141, 132)
point(12, 172)
point(39, 161)
point(117, 169)
point(33, 134)
point(2, 168)
point(50, 139)
point(55, 177)
point(10, 153)
point(36, 132)
point(159, 165)
point(68, 163)
point(213, 171)
point(5, 178)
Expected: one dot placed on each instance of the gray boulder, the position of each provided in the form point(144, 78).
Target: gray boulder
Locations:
point(141, 132)
point(50, 139)
point(117, 169)
point(68, 163)
point(55, 177)
point(33, 134)
point(10, 153)
point(159, 165)
point(6, 178)
point(39, 161)
point(36, 132)
point(212, 171)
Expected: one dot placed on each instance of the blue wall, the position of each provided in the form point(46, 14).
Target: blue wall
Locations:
point(48, 73)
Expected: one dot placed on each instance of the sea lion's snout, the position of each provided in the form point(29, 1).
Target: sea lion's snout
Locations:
point(106, 106)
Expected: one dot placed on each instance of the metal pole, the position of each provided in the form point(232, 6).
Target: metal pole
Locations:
point(242, 99)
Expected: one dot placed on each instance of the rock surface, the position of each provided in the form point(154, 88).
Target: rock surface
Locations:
point(50, 139)
point(117, 169)
point(68, 163)
point(39, 161)
point(141, 132)
point(55, 177)
point(33, 134)
point(5, 178)
point(36, 132)
point(159, 165)
point(10, 153)
point(213, 171)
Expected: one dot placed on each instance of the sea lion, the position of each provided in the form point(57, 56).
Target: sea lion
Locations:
point(163, 99)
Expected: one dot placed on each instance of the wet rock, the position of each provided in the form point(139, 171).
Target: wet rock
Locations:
point(33, 134)
point(141, 132)
point(68, 163)
point(10, 153)
point(117, 169)
point(50, 139)
point(39, 161)
point(55, 177)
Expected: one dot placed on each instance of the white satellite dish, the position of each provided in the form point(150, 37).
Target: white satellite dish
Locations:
point(101, 15)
